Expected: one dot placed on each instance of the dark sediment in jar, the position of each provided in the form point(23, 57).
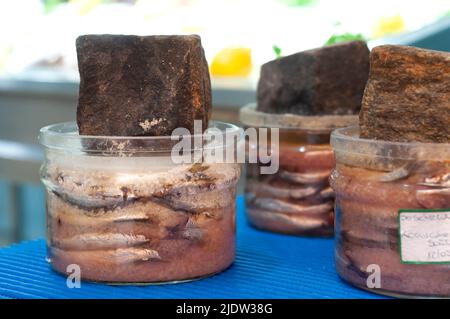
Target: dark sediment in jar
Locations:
point(298, 199)
point(175, 225)
point(367, 205)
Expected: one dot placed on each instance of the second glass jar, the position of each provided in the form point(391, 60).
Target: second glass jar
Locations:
point(297, 199)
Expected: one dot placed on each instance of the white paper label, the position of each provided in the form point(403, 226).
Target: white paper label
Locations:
point(424, 236)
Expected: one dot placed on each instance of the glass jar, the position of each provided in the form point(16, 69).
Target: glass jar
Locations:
point(124, 211)
point(392, 214)
point(297, 199)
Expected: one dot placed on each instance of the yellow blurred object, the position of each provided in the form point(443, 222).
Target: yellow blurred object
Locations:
point(232, 61)
point(84, 6)
point(389, 25)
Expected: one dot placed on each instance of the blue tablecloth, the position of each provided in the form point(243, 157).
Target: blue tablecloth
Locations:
point(267, 266)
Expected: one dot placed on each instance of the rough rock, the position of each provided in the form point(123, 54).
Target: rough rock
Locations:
point(141, 85)
point(324, 81)
point(407, 97)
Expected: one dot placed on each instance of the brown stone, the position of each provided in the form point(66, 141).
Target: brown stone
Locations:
point(328, 80)
point(407, 97)
point(141, 85)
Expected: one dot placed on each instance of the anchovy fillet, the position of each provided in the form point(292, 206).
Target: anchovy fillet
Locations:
point(440, 181)
point(305, 178)
point(285, 207)
point(296, 193)
point(327, 193)
point(116, 216)
point(434, 198)
point(396, 174)
point(99, 241)
point(302, 223)
point(116, 256)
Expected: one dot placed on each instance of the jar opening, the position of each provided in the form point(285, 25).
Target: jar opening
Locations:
point(347, 141)
point(65, 137)
point(250, 116)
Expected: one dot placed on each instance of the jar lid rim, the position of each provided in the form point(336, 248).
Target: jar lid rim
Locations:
point(347, 140)
point(64, 136)
point(249, 115)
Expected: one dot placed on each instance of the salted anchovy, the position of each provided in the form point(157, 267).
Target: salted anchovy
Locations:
point(284, 207)
point(319, 153)
point(191, 232)
point(327, 193)
point(116, 256)
point(302, 223)
point(100, 241)
point(195, 198)
point(128, 186)
point(117, 216)
point(418, 167)
point(386, 238)
point(396, 174)
point(403, 171)
point(305, 178)
point(125, 255)
point(297, 193)
point(351, 265)
point(434, 198)
point(93, 202)
point(441, 181)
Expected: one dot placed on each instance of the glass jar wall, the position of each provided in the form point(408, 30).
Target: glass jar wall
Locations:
point(123, 211)
point(392, 214)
